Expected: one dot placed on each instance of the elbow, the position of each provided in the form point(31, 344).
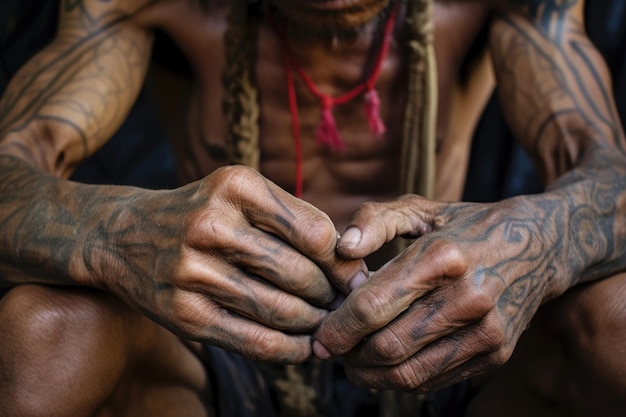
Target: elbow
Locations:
point(49, 147)
point(569, 143)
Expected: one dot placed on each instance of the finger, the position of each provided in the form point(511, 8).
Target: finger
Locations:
point(232, 240)
point(443, 311)
point(412, 374)
point(253, 297)
point(387, 294)
point(304, 227)
point(252, 340)
point(464, 371)
point(368, 308)
point(441, 363)
point(272, 259)
point(375, 224)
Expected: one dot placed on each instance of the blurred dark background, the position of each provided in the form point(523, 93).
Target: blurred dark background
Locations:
point(140, 154)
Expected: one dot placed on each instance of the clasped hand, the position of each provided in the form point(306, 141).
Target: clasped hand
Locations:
point(233, 261)
point(452, 305)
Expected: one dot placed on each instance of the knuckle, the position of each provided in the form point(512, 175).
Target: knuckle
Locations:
point(449, 258)
point(479, 301)
point(369, 208)
point(410, 198)
point(284, 314)
point(389, 347)
point(303, 275)
point(278, 311)
point(493, 335)
point(186, 313)
point(305, 279)
point(408, 375)
point(209, 230)
point(235, 182)
point(315, 287)
point(321, 234)
point(263, 346)
point(500, 356)
point(235, 176)
point(368, 306)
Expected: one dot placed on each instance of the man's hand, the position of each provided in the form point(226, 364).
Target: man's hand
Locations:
point(233, 261)
point(451, 305)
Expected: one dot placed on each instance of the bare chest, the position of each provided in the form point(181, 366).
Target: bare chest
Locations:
point(288, 129)
point(337, 181)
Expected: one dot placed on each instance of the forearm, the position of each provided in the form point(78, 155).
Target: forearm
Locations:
point(557, 96)
point(59, 232)
point(555, 87)
point(59, 109)
point(583, 215)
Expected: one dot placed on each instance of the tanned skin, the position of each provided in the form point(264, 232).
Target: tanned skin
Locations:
point(232, 259)
point(456, 302)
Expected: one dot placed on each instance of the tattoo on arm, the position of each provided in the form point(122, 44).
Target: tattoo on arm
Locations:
point(557, 98)
point(81, 85)
point(60, 232)
point(557, 84)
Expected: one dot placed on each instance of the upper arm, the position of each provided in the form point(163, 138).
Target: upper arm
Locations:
point(555, 87)
point(73, 95)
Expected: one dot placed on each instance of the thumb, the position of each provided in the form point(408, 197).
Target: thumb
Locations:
point(375, 224)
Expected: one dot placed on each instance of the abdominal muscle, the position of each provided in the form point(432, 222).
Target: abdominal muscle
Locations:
point(335, 181)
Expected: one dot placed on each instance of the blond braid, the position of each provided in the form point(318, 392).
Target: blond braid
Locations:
point(417, 171)
point(240, 102)
point(418, 142)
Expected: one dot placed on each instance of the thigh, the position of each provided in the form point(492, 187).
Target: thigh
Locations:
point(80, 352)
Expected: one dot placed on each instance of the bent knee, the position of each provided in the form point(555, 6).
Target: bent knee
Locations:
point(58, 344)
point(594, 331)
point(34, 315)
point(596, 315)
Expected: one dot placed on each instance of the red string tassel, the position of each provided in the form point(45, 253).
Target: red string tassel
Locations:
point(372, 111)
point(327, 132)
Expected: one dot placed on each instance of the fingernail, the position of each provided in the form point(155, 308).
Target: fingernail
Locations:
point(320, 351)
point(337, 302)
point(350, 238)
point(357, 280)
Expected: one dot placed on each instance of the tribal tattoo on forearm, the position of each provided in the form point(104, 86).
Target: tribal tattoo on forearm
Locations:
point(557, 96)
point(59, 108)
point(59, 232)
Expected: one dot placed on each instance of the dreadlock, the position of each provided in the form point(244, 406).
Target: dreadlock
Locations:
point(240, 102)
point(418, 142)
point(241, 108)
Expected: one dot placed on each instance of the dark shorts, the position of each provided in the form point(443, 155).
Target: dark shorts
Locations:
point(245, 388)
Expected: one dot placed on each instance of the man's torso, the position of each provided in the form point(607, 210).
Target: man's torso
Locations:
point(337, 182)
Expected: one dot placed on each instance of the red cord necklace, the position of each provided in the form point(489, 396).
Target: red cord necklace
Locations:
point(327, 132)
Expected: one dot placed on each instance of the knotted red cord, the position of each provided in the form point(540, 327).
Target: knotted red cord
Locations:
point(327, 132)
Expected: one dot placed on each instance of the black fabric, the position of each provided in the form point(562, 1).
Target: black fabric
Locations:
point(26, 26)
point(245, 388)
point(239, 389)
